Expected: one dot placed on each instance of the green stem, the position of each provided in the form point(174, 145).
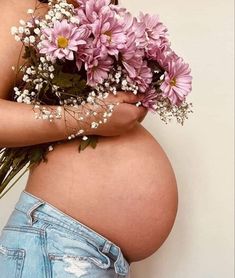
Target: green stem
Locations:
point(5, 166)
point(4, 193)
point(11, 175)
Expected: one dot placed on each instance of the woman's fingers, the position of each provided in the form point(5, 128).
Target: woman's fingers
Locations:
point(126, 97)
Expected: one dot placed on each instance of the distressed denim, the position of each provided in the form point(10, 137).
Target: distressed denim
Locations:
point(39, 241)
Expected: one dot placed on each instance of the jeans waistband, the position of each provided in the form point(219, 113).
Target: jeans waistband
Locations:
point(30, 204)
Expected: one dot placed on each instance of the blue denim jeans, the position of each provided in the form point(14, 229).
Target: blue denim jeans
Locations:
point(39, 241)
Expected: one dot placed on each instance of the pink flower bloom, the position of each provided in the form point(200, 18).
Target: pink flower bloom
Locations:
point(150, 100)
point(84, 53)
point(63, 40)
point(138, 28)
point(143, 77)
point(161, 55)
point(97, 68)
point(177, 83)
point(155, 30)
point(109, 34)
point(91, 10)
point(131, 57)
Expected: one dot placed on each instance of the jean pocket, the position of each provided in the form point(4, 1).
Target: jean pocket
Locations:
point(60, 242)
point(11, 262)
point(68, 265)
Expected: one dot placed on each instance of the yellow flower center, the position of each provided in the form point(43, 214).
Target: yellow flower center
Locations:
point(62, 42)
point(109, 34)
point(173, 82)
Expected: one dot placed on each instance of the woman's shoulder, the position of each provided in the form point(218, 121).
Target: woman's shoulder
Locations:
point(12, 11)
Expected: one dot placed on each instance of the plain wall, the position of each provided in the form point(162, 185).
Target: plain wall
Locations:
point(201, 152)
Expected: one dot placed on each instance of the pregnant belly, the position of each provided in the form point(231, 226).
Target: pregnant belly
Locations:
point(125, 189)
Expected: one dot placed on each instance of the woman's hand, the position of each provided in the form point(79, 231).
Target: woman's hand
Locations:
point(125, 115)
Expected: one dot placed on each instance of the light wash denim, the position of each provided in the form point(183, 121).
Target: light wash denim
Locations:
point(39, 241)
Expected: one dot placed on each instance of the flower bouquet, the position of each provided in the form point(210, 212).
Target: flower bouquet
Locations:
point(79, 54)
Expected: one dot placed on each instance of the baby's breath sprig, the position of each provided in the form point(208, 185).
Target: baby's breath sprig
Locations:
point(167, 112)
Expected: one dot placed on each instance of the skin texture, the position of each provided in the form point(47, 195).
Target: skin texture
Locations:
point(125, 189)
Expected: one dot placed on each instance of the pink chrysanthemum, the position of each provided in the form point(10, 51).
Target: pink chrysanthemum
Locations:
point(143, 77)
point(155, 30)
point(84, 53)
point(90, 10)
point(109, 34)
point(62, 40)
point(98, 68)
point(177, 83)
point(150, 100)
point(138, 28)
point(131, 56)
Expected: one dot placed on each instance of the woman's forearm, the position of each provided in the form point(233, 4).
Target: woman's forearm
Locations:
point(19, 127)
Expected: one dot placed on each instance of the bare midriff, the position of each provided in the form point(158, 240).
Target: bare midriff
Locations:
point(125, 189)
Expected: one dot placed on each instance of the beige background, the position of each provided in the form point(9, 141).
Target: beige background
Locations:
point(201, 243)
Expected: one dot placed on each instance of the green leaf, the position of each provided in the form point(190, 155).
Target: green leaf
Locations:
point(83, 145)
point(94, 141)
point(63, 80)
point(70, 81)
point(91, 141)
point(17, 161)
point(36, 155)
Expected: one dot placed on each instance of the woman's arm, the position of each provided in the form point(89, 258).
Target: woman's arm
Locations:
point(18, 126)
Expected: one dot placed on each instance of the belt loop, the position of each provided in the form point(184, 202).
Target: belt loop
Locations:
point(31, 210)
point(107, 247)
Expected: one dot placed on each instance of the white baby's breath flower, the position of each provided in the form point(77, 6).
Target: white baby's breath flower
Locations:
point(47, 17)
point(124, 82)
point(38, 87)
point(22, 22)
point(37, 31)
point(42, 59)
point(16, 89)
point(74, 20)
point(80, 132)
point(30, 11)
point(29, 24)
point(58, 15)
point(19, 99)
point(68, 14)
point(90, 99)
point(27, 100)
point(135, 92)
point(27, 31)
point(29, 71)
point(51, 68)
point(50, 148)
point(17, 38)
point(21, 29)
point(26, 40)
point(32, 39)
point(94, 125)
point(14, 30)
point(84, 138)
point(51, 13)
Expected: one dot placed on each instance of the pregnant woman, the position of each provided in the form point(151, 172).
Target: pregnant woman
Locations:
point(88, 214)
